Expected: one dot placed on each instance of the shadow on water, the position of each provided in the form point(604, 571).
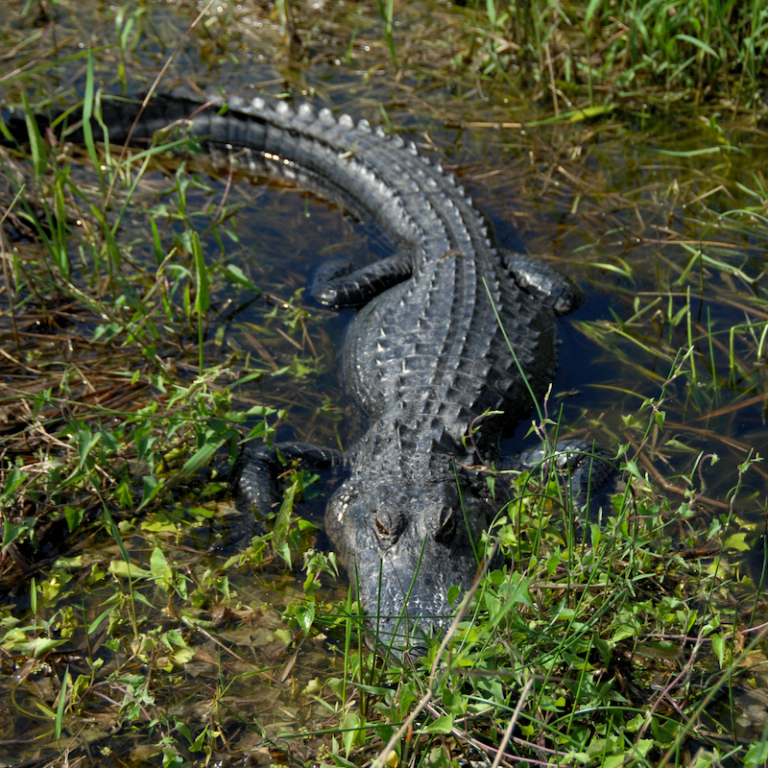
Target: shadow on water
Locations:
point(626, 205)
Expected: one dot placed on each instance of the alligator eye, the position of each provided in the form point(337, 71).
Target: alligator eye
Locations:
point(447, 522)
point(389, 524)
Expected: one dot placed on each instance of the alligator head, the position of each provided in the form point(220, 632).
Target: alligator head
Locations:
point(404, 547)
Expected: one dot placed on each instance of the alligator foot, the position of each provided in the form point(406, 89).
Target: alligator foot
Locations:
point(543, 283)
point(586, 467)
point(256, 471)
point(337, 284)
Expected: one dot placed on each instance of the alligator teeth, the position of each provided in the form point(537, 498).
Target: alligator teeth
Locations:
point(412, 149)
point(345, 121)
point(364, 126)
point(258, 103)
point(326, 116)
point(306, 111)
point(236, 102)
point(397, 140)
point(380, 132)
point(282, 108)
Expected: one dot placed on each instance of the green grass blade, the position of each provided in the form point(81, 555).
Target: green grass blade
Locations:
point(36, 143)
point(62, 704)
point(88, 114)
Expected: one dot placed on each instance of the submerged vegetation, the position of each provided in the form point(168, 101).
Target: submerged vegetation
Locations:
point(152, 321)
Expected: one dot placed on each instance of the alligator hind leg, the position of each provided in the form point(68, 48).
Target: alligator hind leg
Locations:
point(256, 471)
point(542, 282)
point(337, 284)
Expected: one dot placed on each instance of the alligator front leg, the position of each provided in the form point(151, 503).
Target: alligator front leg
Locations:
point(542, 282)
point(585, 466)
point(257, 471)
point(338, 285)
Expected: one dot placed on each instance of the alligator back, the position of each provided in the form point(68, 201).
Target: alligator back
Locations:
point(428, 352)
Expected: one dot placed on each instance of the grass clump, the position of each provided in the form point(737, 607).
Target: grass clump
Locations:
point(592, 54)
point(621, 651)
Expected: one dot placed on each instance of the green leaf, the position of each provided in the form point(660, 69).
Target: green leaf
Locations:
point(86, 441)
point(736, 541)
point(202, 455)
point(88, 114)
point(151, 488)
point(127, 570)
point(73, 517)
point(350, 728)
point(236, 275)
point(700, 44)
point(284, 636)
point(140, 598)
point(12, 482)
point(443, 724)
point(184, 730)
point(757, 754)
point(454, 703)
point(201, 512)
point(594, 5)
point(199, 742)
point(622, 632)
point(161, 571)
point(12, 531)
point(718, 644)
point(182, 656)
point(62, 702)
point(39, 646)
point(305, 615)
point(631, 467)
point(202, 299)
point(283, 522)
point(94, 625)
point(6, 133)
point(36, 143)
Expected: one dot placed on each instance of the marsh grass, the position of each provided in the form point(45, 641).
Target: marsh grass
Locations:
point(147, 619)
point(665, 51)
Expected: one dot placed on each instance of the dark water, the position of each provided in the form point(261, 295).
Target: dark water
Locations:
point(602, 200)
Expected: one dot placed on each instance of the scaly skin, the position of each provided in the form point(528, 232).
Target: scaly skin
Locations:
point(425, 355)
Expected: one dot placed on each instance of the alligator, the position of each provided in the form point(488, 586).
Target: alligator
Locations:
point(453, 339)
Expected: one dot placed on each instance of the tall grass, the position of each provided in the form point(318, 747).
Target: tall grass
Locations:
point(669, 50)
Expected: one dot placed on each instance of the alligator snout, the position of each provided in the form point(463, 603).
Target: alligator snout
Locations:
point(405, 546)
